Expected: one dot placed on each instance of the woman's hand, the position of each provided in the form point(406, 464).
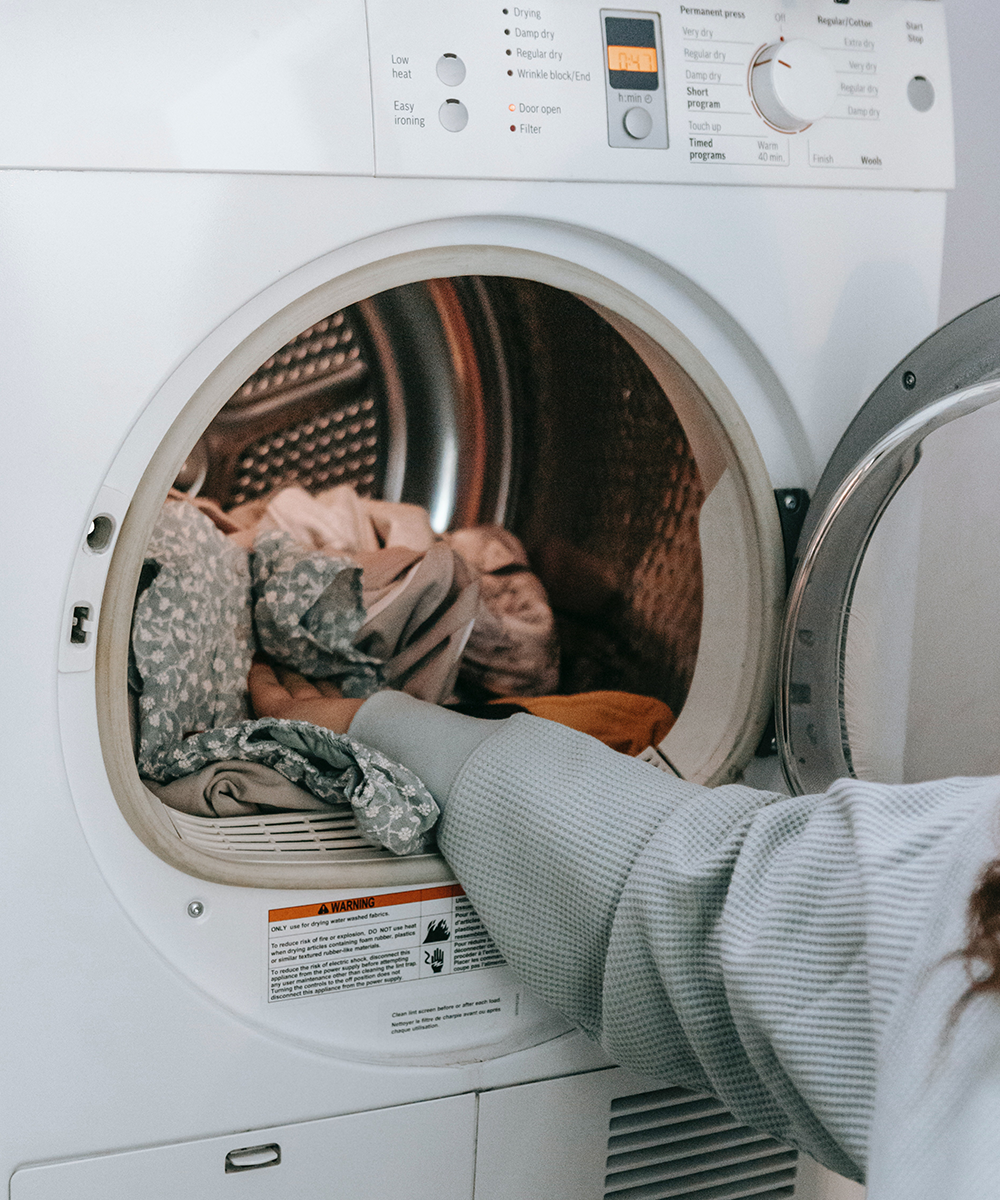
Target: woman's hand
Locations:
point(278, 692)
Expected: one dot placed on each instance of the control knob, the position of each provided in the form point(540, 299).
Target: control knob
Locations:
point(792, 84)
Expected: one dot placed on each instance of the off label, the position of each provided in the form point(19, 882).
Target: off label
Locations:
point(371, 941)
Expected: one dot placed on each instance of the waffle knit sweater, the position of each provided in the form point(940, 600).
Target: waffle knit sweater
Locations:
point(788, 954)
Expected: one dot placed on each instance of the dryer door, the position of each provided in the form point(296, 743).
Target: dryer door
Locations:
point(889, 665)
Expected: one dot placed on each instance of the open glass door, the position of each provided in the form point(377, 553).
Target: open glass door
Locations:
point(889, 666)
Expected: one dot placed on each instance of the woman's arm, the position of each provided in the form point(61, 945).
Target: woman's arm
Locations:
point(432, 741)
point(752, 945)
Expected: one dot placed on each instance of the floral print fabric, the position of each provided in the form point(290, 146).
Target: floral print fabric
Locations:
point(391, 805)
point(195, 630)
point(192, 639)
point(308, 611)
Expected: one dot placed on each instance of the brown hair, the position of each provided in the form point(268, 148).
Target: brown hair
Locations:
point(982, 949)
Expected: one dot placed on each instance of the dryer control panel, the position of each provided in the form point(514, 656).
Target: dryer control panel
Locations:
point(850, 93)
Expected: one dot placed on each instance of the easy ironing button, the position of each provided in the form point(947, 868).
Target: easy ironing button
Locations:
point(453, 115)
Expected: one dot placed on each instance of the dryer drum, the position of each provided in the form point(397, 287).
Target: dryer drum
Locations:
point(491, 400)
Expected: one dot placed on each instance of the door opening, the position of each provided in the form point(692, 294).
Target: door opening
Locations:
point(507, 402)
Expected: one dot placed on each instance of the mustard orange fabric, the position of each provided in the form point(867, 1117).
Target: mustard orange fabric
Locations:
point(623, 721)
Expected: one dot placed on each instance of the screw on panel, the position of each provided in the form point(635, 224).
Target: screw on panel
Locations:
point(909, 380)
point(195, 908)
point(793, 504)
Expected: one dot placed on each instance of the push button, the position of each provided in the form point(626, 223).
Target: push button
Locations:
point(920, 93)
point(450, 70)
point(453, 115)
point(638, 123)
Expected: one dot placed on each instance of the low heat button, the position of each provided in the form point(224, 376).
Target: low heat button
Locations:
point(638, 123)
point(793, 84)
point(453, 115)
point(450, 70)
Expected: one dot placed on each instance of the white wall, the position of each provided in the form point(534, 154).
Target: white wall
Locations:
point(972, 239)
point(923, 699)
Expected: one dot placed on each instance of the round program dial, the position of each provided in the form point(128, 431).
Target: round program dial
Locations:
point(793, 84)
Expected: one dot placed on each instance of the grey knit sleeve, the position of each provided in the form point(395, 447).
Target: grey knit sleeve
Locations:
point(432, 741)
point(729, 939)
point(777, 951)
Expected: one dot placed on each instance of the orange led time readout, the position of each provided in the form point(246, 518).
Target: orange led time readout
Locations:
point(632, 58)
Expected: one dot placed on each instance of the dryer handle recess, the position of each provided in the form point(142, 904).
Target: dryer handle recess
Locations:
point(812, 732)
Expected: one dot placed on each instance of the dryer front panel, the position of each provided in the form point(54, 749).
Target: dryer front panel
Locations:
point(530, 393)
point(224, 87)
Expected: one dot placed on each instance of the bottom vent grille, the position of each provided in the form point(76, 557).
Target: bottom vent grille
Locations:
point(672, 1143)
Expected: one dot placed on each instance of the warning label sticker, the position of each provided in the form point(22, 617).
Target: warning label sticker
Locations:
point(370, 941)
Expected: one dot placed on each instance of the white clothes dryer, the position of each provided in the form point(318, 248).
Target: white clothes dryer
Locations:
point(614, 278)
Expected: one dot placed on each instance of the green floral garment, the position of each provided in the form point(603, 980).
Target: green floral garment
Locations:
point(391, 805)
point(192, 633)
point(307, 610)
point(196, 627)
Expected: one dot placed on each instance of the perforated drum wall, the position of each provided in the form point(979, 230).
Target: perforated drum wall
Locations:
point(608, 502)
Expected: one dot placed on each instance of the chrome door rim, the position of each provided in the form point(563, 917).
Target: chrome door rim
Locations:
point(812, 731)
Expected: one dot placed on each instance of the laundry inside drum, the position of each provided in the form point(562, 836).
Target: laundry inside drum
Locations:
point(507, 465)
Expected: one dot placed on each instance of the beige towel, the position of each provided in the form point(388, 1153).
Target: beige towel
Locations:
point(336, 521)
point(236, 789)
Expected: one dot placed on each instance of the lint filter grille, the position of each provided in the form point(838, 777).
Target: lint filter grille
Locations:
point(312, 837)
point(674, 1143)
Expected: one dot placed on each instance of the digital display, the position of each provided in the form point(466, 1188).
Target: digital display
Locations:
point(632, 58)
